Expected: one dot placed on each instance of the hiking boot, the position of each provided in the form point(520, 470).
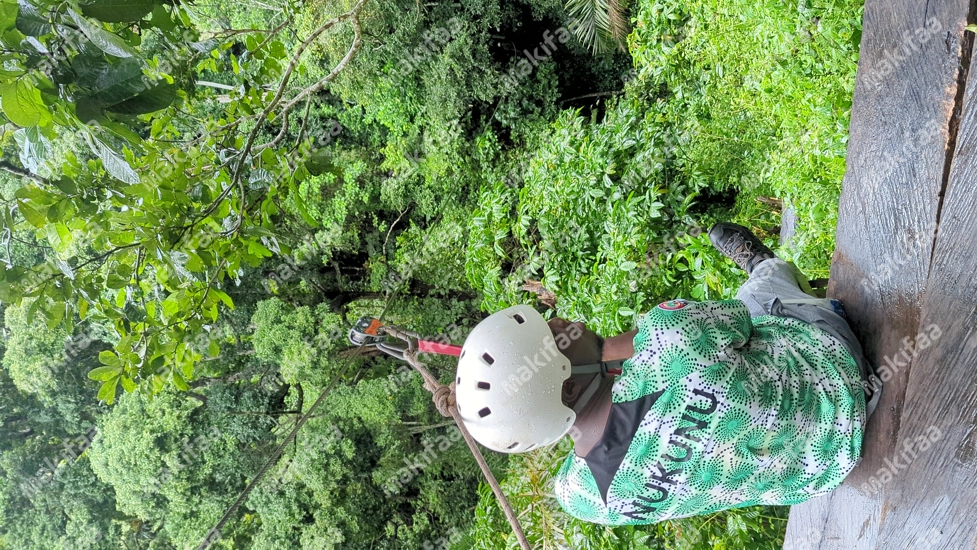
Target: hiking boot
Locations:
point(740, 245)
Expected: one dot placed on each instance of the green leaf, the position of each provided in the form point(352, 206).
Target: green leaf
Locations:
point(8, 17)
point(22, 104)
point(105, 373)
point(106, 83)
point(179, 381)
point(171, 306)
point(54, 315)
point(30, 21)
point(128, 384)
point(161, 19)
point(88, 109)
point(223, 297)
point(35, 195)
point(118, 11)
point(101, 38)
point(66, 185)
point(116, 166)
point(32, 148)
point(107, 391)
point(115, 282)
point(110, 359)
point(154, 99)
point(32, 216)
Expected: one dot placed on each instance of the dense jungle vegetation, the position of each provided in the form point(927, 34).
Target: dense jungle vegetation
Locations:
point(200, 197)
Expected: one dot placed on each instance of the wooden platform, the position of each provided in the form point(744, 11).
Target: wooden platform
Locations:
point(905, 266)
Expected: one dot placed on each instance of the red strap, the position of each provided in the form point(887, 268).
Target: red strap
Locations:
point(374, 327)
point(425, 346)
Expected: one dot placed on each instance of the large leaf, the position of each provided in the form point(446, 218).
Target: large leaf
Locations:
point(30, 214)
point(107, 391)
point(22, 104)
point(154, 99)
point(8, 17)
point(107, 83)
point(30, 21)
point(88, 109)
point(116, 166)
point(33, 147)
point(105, 373)
point(101, 38)
point(118, 11)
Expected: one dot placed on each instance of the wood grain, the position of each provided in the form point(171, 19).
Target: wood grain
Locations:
point(931, 503)
point(903, 122)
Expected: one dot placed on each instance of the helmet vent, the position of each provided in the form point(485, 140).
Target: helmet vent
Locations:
point(513, 446)
point(488, 358)
point(458, 381)
point(519, 318)
point(484, 412)
point(484, 386)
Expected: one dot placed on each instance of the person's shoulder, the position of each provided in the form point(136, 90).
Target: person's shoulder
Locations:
point(679, 311)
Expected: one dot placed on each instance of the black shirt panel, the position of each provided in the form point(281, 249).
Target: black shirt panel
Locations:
point(622, 423)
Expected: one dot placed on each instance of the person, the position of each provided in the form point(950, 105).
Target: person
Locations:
point(705, 406)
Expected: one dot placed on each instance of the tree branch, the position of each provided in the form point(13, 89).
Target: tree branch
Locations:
point(198, 397)
point(353, 17)
point(357, 41)
point(236, 179)
point(17, 171)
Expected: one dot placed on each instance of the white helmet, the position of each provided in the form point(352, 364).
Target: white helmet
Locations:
point(510, 382)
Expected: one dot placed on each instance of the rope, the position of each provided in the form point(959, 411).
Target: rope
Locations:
point(444, 400)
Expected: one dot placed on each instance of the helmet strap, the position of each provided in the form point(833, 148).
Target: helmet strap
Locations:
point(587, 394)
point(594, 368)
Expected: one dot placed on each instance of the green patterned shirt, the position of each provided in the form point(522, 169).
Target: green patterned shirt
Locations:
point(716, 410)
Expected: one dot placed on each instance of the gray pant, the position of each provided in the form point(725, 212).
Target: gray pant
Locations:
point(773, 289)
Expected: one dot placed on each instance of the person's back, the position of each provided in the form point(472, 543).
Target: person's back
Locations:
point(716, 411)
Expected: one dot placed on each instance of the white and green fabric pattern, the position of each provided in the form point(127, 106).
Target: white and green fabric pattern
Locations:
point(716, 410)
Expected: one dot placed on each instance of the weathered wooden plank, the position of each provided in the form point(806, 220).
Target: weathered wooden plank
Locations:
point(905, 95)
point(931, 503)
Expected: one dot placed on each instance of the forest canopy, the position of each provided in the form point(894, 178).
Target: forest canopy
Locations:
point(200, 198)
